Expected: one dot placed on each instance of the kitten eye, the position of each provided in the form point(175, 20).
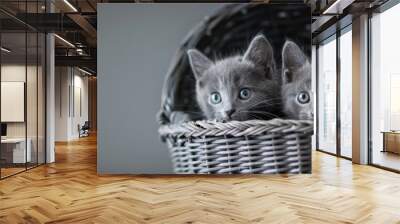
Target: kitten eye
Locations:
point(303, 97)
point(244, 94)
point(215, 98)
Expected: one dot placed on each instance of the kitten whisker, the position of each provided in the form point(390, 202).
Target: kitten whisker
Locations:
point(264, 105)
point(265, 101)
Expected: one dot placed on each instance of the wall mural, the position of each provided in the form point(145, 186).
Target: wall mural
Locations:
point(237, 98)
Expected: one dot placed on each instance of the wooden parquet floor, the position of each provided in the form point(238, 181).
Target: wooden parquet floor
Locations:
point(70, 191)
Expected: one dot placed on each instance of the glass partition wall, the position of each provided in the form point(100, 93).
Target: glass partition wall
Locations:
point(22, 98)
point(334, 93)
point(13, 145)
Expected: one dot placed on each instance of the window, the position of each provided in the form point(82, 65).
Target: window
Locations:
point(346, 93)
point(385, 89)
point(327, 96)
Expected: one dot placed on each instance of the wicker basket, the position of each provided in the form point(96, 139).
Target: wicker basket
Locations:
point(254, 146)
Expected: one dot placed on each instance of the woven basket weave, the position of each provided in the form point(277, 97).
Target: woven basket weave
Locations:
point(254, 146)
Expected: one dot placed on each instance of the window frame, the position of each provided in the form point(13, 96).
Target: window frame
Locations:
point(333, 37)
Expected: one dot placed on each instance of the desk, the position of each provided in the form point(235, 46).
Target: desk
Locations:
point(391, 141)
point(13, 150)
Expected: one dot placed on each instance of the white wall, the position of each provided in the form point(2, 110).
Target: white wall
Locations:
point(62, 81)
point(70, 83)
point(79, 117)
point(12, 73)
point(17, 73)
point(33, 126)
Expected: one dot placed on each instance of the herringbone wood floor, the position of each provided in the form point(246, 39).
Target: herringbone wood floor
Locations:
point(70, 191)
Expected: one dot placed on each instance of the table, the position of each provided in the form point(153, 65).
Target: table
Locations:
point(13, 150)
point(391, 141)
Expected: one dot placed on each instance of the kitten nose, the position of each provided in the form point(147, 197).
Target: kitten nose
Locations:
point(230, 112)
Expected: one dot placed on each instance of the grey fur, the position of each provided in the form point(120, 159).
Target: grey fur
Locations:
point(198, 62)
point(296, 79)
point(255, 71)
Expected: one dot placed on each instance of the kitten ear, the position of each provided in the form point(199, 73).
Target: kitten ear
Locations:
point(293, 58)
point(260, 52)
point(199, 62)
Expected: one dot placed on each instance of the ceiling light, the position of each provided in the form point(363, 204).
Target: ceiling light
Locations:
point(84, 71)
point(79, 51)
point(65, 41)
point(328, 10)
point(5, 50)
point(70, 5)
point(338, 6)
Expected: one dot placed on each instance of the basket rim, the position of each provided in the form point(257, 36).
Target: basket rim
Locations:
point(236, 128)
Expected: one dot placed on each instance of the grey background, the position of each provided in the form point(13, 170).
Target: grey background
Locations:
point(136, 43)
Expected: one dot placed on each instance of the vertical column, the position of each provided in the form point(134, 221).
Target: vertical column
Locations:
point(338, 91)
point(50, 92)
point(360, 90)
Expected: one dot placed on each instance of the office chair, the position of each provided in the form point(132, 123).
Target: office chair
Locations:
point(84, 129)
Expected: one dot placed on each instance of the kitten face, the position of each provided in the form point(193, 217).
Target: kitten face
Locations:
point(296, 83)
point(240, 87)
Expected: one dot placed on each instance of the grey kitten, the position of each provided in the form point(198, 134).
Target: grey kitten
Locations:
point(296, 83)
point(238, 87)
